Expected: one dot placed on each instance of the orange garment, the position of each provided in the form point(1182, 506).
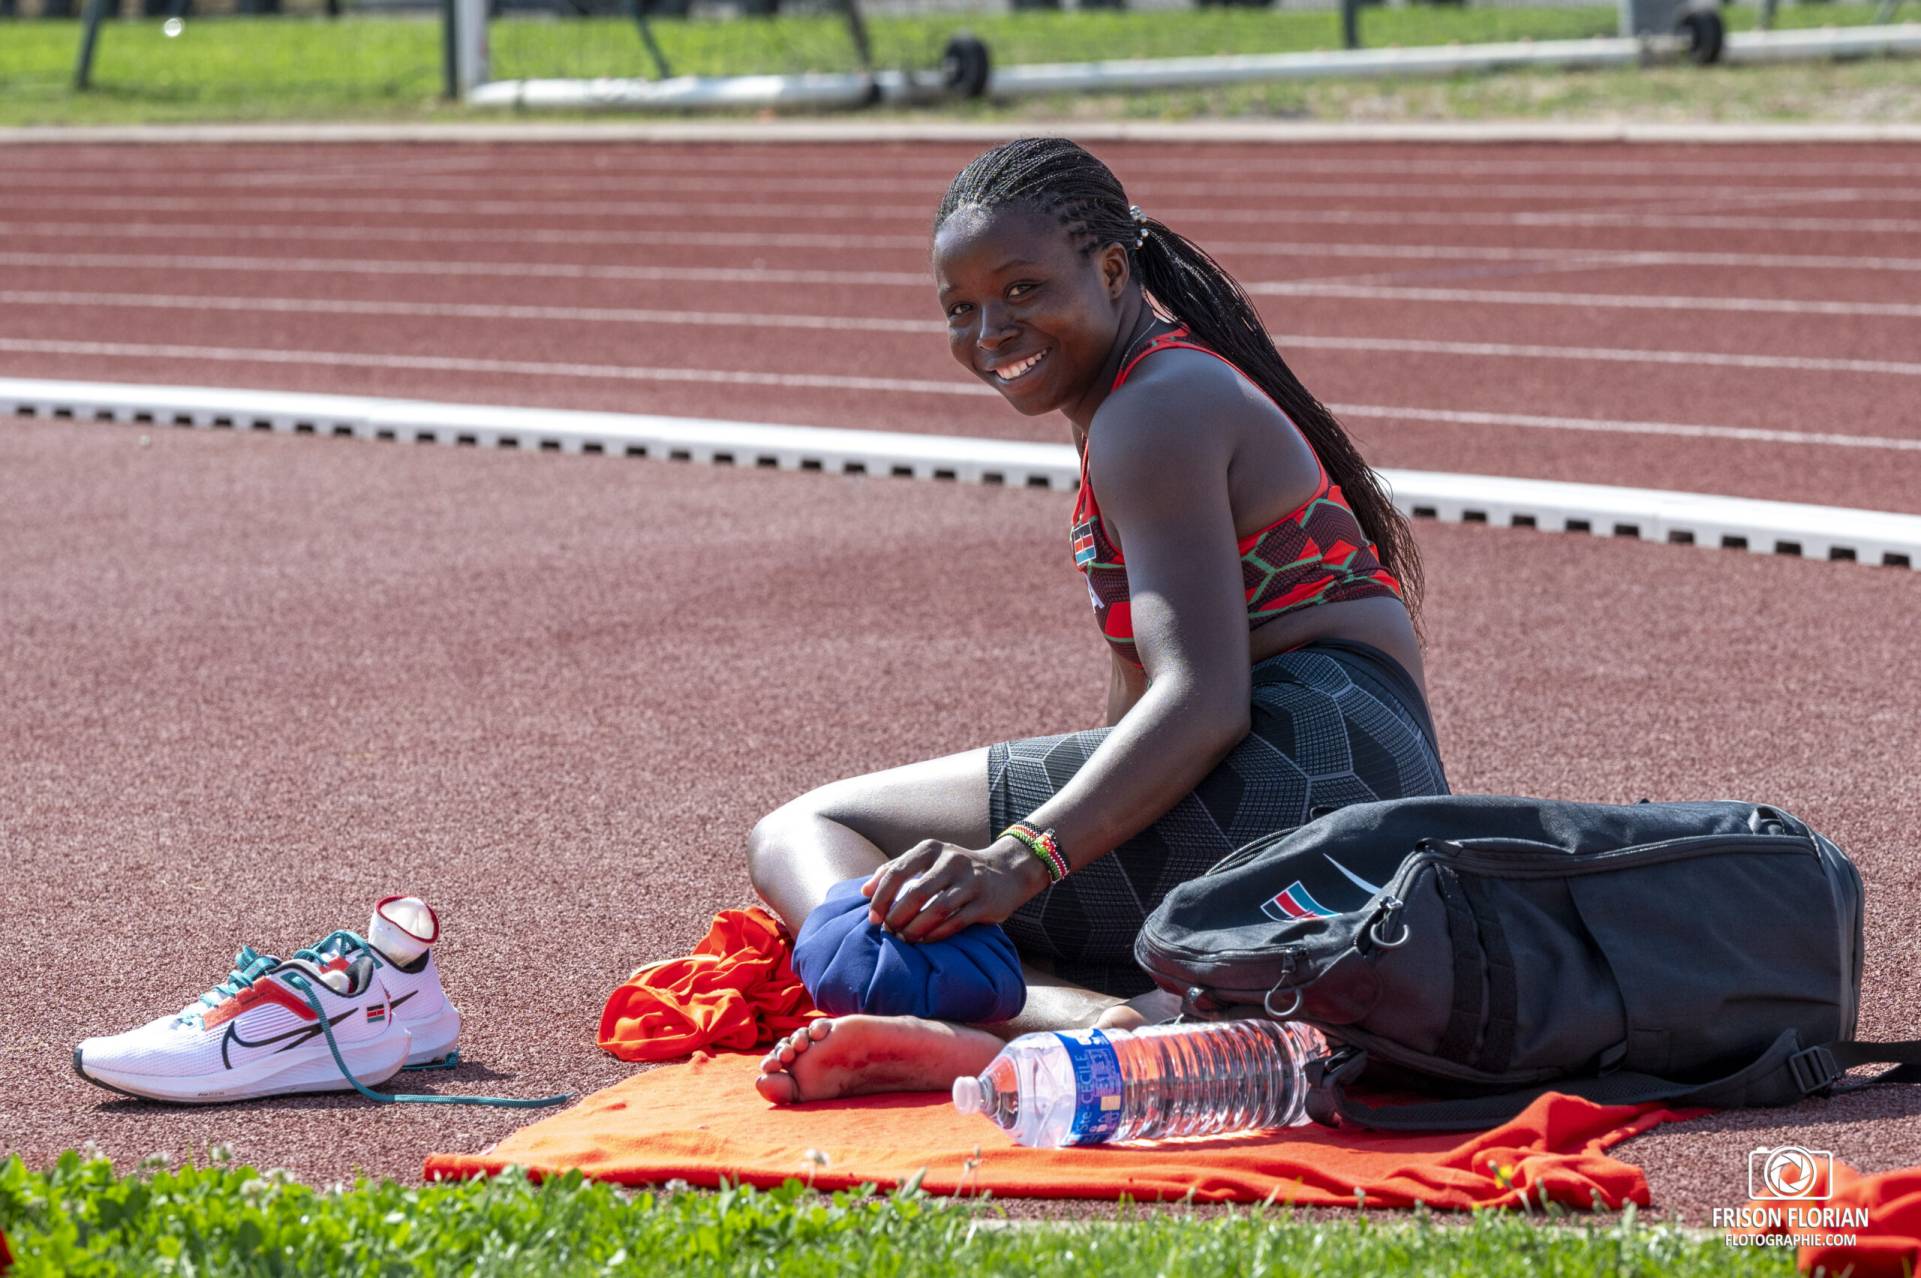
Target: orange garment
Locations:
point(736, 990)
point(1890, 1245)
point(702, 1121)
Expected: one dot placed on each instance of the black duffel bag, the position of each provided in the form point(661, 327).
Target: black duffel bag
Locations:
point(1693, 953)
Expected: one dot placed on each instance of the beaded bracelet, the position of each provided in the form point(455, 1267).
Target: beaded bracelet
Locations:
point(1043, 845)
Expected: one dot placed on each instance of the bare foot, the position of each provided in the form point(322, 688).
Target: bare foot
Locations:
point(1151, 1008)
point(852, 1055)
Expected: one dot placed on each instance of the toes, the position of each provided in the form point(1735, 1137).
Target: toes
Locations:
point(805, 1037)
point(775, 1083)
point(778, 1088)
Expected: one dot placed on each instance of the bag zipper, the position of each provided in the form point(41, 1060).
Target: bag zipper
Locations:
point(1547, 864)
point(1564, 864)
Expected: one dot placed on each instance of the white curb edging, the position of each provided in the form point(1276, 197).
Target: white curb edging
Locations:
point(865, 132)
point(694, 93)
point(1761, 527)
point(552, 430)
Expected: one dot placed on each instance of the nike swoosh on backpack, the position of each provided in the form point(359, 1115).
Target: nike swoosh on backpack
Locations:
point(1352, 877)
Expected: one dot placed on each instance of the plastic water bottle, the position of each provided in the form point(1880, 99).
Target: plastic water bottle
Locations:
point(1089, 1087)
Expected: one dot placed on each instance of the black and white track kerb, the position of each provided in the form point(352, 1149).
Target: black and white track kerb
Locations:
point(1762, 527)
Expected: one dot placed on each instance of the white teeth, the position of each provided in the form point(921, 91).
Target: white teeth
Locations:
point(1008, 372)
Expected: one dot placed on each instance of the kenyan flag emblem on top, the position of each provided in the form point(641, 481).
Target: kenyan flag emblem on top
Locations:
point(1083, 544)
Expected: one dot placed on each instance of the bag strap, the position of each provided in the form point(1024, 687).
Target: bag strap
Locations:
point(1832, 1060)
point(1781, 1075)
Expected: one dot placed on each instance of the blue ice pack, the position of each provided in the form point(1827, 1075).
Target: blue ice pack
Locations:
point(850, 965)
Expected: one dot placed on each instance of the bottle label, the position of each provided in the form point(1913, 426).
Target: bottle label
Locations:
point(1097, 1085)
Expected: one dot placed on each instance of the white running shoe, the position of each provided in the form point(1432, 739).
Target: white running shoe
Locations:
point(399, 940)
point(257, 1034)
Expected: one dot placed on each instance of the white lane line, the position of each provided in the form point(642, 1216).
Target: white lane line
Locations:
point(415, 266)
point(1571, 256)
point(478, 206)
point(475, 310)
point(281, 233)
point(1128, 160)
point(1605, 426)
point(516, 367)
point(1761, 527)
point(915, 280)
point(922, 215)
point(779, 185)
point(245, 165)
point(1629, 301)
point(488, 311)
point(385, 171)
point(905, 385)
point(1556, 218)
point(1602, 354)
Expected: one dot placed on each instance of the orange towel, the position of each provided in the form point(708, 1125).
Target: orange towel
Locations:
point(702, 1121)
point(1888, 1247)
point(736, 990)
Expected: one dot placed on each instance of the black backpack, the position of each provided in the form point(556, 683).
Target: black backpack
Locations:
point(1692, 953)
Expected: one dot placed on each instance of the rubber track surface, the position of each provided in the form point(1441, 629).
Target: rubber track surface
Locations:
point(253, 683)
point(1656, 304)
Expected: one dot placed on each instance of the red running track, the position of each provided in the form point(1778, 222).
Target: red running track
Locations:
point(255, 682)
point(1727, 319)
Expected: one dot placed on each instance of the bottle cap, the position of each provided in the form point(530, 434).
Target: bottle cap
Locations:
point(967, 1094)
point(402, 928)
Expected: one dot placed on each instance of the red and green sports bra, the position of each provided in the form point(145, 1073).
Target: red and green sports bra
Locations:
point(1315, 555)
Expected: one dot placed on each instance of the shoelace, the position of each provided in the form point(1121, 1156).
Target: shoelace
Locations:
point(338, 944)
point(248, 966)
point(333, 942)
point(331, 946)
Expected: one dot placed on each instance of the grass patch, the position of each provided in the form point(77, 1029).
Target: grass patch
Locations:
point(80, 1218)
point(388, 68)
point(605, 47)
point(223, 69)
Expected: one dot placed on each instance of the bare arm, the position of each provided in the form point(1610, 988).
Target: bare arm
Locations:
point(1162, 471)
point(1126, 682)
point(1166, 489)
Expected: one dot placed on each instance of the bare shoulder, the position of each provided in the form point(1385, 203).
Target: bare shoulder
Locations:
point(1182, 410)
point(1182, 417)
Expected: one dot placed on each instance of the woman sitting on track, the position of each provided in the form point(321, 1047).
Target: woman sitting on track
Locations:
point(1253, 584)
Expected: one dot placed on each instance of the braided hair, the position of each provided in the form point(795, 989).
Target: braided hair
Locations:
point(1056, 177)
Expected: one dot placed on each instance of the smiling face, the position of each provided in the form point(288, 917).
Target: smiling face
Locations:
point(1028, 312)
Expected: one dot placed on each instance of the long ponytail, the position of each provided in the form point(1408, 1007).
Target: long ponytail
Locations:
point(1191, 287)
point(1055, 176)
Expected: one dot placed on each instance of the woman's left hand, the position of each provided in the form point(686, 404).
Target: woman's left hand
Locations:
point(935, 889)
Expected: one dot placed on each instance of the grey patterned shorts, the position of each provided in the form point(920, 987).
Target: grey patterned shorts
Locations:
point(1333, 724)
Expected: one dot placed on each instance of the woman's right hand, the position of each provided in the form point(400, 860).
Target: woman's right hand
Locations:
point(935, 889)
